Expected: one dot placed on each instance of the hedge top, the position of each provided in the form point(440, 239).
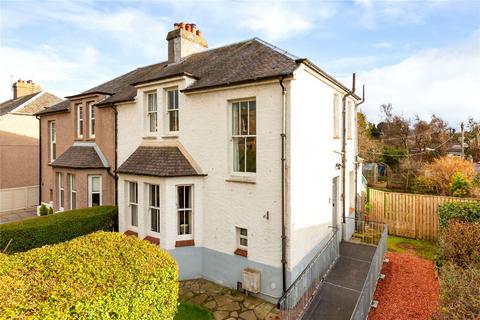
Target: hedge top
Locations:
point(463, 211)
point(99, 276)
point(55, 228)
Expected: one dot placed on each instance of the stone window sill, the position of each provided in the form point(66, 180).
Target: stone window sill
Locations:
point(241, 252)
point(184, 243)
point(152, 240)
point(240, 179)
point(131, 233)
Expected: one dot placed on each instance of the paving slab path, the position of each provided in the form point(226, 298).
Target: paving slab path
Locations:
point(11, 216)
point(226, 303)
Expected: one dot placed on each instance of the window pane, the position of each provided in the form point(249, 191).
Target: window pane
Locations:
point(54, 151)
point(235, 118)
point(176, 99)
point(152, 102)
point(95, 199)
point(95, 184)
point(74, 200)
point(243, 242)
point(239, 154)
point(173, 120)
point(243, 232)
point(155, 220)
point(251, 154)
point(153, 122)
point(187, 197)
point(252, 117)
point(244, 118)
point(180, 192)
point(152, 195)
point(171, 100)
point(134, 213)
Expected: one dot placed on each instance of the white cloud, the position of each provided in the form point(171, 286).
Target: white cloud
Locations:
point(442, 81)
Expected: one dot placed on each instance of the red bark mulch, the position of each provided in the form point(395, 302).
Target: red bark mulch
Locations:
point(409, 291)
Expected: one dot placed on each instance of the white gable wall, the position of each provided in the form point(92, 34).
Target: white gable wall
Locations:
point(312, 165)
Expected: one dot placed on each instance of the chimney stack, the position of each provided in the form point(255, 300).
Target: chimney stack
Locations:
point(185, 39)
point(22, 88)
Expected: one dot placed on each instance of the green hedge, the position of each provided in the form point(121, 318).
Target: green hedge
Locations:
point(103, 275)
point(59, 227)
point(463, 211)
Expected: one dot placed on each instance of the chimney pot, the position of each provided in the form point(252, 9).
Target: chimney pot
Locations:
point(181, 25)
point(199, 33)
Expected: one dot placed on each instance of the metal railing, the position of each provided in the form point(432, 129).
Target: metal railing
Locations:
point(374, 233)
point(298, 296)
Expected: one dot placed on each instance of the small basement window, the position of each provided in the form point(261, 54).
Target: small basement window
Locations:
point(242, 242)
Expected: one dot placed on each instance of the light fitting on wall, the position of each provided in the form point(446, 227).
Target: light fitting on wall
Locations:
point(338, 166)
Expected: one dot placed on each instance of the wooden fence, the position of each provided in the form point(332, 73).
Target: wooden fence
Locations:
point(409, 215)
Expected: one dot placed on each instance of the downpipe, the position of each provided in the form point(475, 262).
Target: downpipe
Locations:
point(284, 198)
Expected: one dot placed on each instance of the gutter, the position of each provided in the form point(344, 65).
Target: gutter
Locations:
point(39, 159)
point(284, 173)
point(344, 142)
point(356, 153)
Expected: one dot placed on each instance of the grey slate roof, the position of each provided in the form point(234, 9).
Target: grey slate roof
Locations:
point(9, 105)
point(61, 106)
point(241, 62)
point(158, 162)
point(80, 157)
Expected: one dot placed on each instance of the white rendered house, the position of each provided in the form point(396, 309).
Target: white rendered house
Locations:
point(202, 171)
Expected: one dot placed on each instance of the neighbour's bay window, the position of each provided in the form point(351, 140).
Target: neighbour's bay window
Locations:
point(94, 191)
point(154, 207)
point(53, 140)
point(152, 112)
point(133, 203)
point(185, 211)
point(61, 191)
point(79, 120)
point(91, 119)
point(244, 129)
point(73, 191)
point(172, 108)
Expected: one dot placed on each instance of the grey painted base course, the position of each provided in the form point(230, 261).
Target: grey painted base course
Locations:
point(226, 269)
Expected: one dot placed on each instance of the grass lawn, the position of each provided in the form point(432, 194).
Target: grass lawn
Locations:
point(424, 249)
point(189, 311)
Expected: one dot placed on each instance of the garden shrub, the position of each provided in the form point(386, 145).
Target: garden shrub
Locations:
point(460, 243)
point(43, 210)
point(424, 185)
point(460, 186)
point(460, 292)
point(50, 210)
point(463, 211)
point(59, 227)
point(103, 275)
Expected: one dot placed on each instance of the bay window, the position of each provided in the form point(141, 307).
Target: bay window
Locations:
point(61, 191)
point(94, 191)
point(184, 211)
point(73, 191)
point(154, 207)
point(133, 203)
point(244, 137)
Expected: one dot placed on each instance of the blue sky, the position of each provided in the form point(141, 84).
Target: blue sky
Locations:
point(421, 56)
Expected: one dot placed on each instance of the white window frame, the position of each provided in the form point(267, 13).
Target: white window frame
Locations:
point(53, 140)
point(132, 203)
point(336, 116)
point(175, 109)
point(91, 119)
point(241, 236)
point(80, 119)
point(151, 112)
point(73, 190)
point(238, 135)
point(153, 207)
point(61, 191)
point(349, 120)
point(90, 192)
point(185, 236)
